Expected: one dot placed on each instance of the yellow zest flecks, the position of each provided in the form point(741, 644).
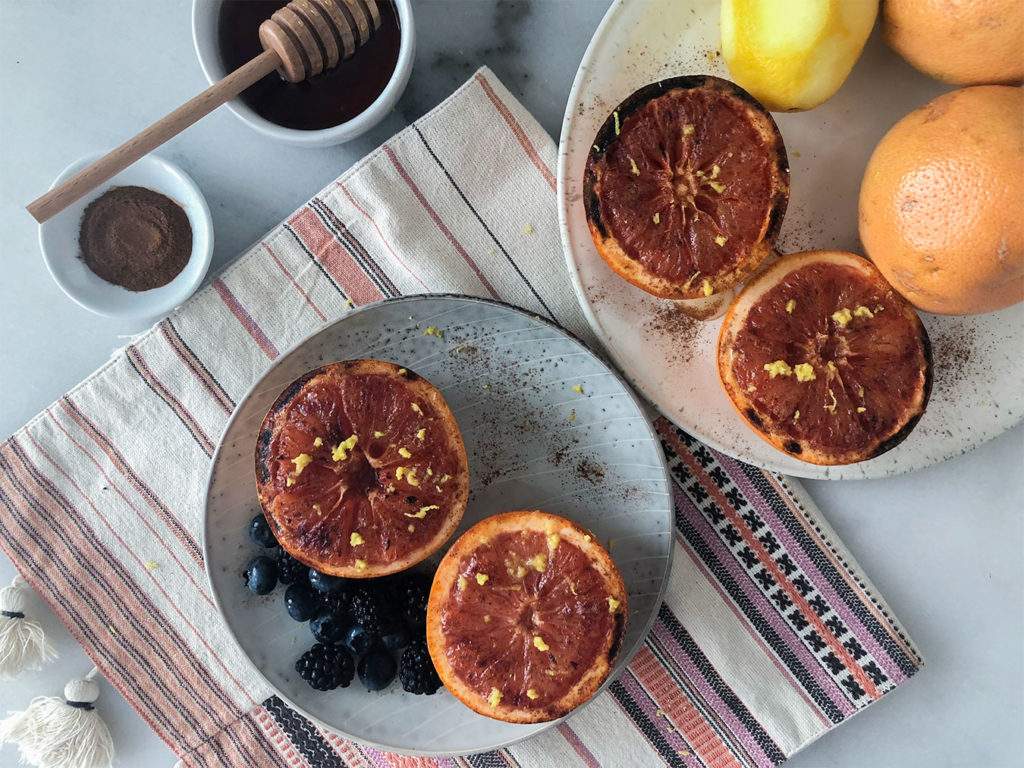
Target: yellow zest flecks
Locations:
point(751, 388)
point(572, 586)
point(378, 434)
point(578, 389)
point(416, 407)
point(687, 130)
point(424, 510)
point(404, 453)
point(796, 416)
point(861, 409)
point(528, 229)
point(532, 694)
point(615, 116)
point(778, 368)
point(549, 672)
point(487, 386)
point(633, 168)
point(355, 539)
point(572, 416)
point(597, 148)
point(554, 540)
point(539, 644)
point(391, 489)
point(842, 317)
point(445, 478)
point(459, 348)
point(721, 240)
point(301, 462)
point(706, 288)
point(863, 311)
point(318, 442)
point(790, 306)
point(831, 367)
point(717, 186)
point(316, 508)
point(289, 482)
point(495, 698)
point(714, 172)
point(462, 583)
point(831, 408)
point(412, 528)
point(340, 452)
point(879, 308)
point(860, 392)
point(487, 619)
point(400, 472)
point(411, 478)
point(403, 371)
point(481, 578)
point(433, 330)
point(804, 372)
point(418, 515)
point(421, 434)
point(656, 218)
point(151, 565)
point(349, 303)
point(613, 604)
point(360, 565)
point(587, 537)
point(538, 562)
point(688, 283)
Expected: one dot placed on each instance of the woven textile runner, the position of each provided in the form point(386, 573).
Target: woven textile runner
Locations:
point(769, 634)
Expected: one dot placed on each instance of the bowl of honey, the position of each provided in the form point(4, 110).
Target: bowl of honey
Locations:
point(331, 108)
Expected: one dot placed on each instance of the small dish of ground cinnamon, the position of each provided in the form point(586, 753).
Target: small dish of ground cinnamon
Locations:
point(137, 247)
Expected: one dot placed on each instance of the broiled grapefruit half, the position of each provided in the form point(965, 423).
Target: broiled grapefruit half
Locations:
point(361, 469)
point(685, 187)
point(526, 616)
point(824, 359)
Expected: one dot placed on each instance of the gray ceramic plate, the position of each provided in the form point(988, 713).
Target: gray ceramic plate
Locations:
point(533, 442)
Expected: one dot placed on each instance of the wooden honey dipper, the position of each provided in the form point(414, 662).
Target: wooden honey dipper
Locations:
point(300, 40)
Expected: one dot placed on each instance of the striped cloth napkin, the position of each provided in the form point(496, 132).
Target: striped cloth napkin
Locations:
point(769, 635)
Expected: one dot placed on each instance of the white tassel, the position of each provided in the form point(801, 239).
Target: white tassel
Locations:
point(62, 733)
point(23, 643)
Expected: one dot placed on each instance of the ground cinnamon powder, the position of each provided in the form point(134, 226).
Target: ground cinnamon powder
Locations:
point(136, 238)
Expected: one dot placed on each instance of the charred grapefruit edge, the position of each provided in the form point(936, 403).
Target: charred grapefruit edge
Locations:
point(446, 574)
point(270, 427)
point(743, 405)
point(608, 247)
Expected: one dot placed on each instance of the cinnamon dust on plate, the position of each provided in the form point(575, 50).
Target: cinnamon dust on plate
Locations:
point(135, 237)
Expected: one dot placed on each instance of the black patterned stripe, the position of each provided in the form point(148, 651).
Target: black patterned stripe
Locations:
point(650, 731)
point(304, 735)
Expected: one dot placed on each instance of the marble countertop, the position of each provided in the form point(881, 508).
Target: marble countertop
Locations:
point(943, 545)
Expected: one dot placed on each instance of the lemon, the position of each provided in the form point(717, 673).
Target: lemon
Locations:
point(793, 55)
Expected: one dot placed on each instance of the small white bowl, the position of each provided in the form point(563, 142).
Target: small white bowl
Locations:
point(204, 36)
point(58, 239)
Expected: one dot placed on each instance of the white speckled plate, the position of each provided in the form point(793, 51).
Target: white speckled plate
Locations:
point(977, 390)
point(533, 442)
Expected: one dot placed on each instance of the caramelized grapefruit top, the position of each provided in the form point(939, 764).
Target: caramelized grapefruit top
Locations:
point(685, 187)
point(361, 469)
point(526, 617)
point(824, 360)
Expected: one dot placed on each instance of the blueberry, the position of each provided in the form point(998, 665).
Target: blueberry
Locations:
point(327, 627)
point(301, 602)
point(398, 637)
point(358, 640)
point(377, 668)
point(323, 582)
point(259, 532)
point(261, 575)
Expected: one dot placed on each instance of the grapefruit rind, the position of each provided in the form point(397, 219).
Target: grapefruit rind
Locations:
point(501, 701)
point(611, 249)
point(333, 545)
point(804, 448)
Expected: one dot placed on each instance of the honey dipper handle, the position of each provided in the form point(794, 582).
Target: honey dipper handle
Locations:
point(111, 164)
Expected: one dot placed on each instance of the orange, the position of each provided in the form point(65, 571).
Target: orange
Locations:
point(964, 42)
point(824, 360)
point(941, 211)
point(361, 469)
point(526, 617)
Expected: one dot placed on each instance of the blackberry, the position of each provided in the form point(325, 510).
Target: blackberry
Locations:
point(290, 570)
point(371, 609)
point(326, 667)
point(416, 670)
point(413, 591)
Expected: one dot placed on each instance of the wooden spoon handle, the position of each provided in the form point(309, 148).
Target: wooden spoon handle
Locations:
point(108, 166)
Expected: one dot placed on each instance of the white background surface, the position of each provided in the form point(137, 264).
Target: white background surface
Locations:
point(945, 546)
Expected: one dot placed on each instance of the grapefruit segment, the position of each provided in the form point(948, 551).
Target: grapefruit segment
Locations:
point(824, 360)
point(361, 469)
point(526, 617)
point(685, 187)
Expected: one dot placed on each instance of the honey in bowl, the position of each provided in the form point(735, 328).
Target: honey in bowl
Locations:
point(324, 101)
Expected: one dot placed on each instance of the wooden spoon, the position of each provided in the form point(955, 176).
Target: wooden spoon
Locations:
point(300, 40)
